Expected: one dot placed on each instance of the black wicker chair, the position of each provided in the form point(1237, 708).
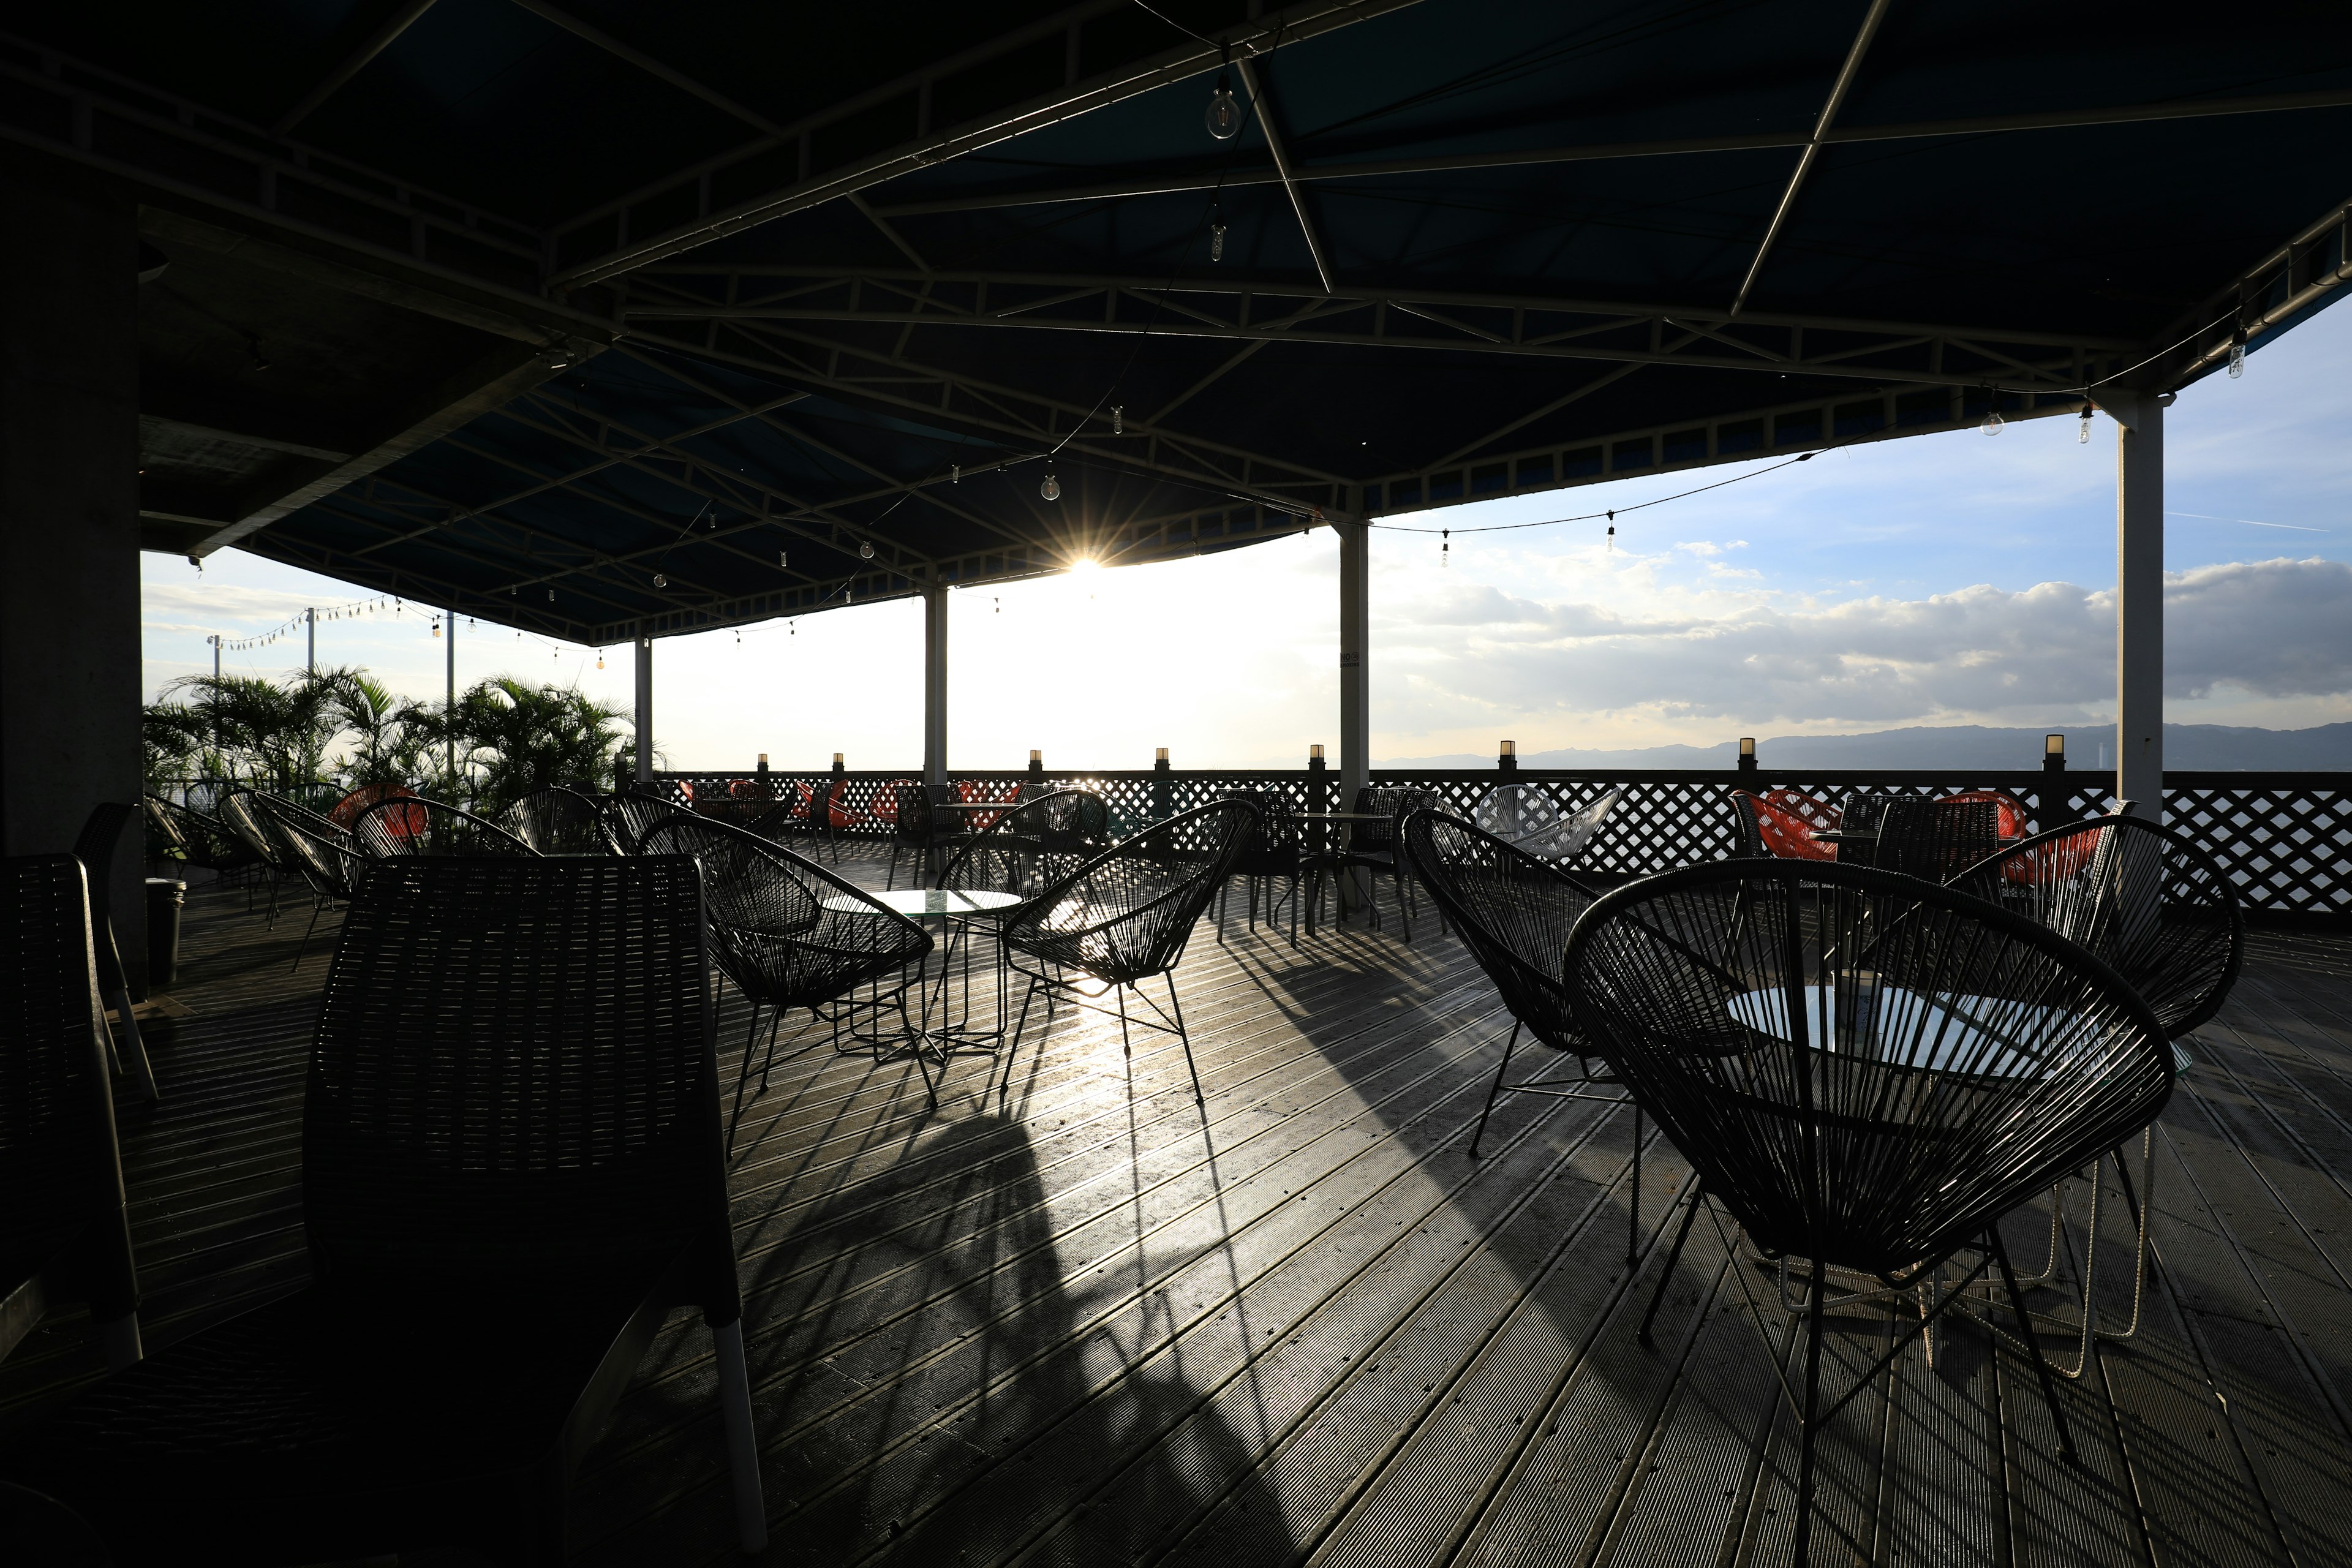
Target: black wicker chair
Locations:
point(1274, 853)
point(411, 826)
point(240, 813)
point(1372, 845)
point(2159, 911)
point(324, 855)
point(189, 835)
point(1032, 846)
point(1935, 838)
point(916, 829)
point(1513, 911)
point(1866, 1069)
point(101, 835)
point(771, 934)
point(561, 821)
point(511, 1175)
point(1124, 916)
point(629, 814)
point(64, 1236)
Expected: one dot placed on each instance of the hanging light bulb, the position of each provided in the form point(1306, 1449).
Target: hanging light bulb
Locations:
point(1610, 544)
point(436, 625)
point(1224, 115)
point(1052, 488)
point(600, 658)
point(551, 595)
point(955, 473)
point(1992, 422)
point(660, 581)
point(2238, 355)
point(1443, 558)
point(2082, 426)
point(783, 559)
point(1117, 420)
point(1216, 240)
point(865, 550)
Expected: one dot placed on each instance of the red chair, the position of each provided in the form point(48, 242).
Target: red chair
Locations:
point(2014, 817)
point(1781, 823)
point(347, 810)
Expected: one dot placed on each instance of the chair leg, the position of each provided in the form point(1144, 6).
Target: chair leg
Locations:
point(1495, 1091)
point(743, 1076)
point(742, 1442)
point(132, 1050)
point(1184, 1038)
point(1633, 1206)
point(1673, 1256)
point(1812, 1404)
point(2032, 1345)
point(1404, 914)
point(316, 905)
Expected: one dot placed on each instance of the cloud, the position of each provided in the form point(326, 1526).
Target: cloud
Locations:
point(2269, 628)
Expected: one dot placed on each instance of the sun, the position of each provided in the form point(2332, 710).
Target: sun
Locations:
point(1085, 567)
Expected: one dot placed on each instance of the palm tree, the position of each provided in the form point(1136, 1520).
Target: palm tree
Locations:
point(530, 737)
point(388, 741)
point(268, 733)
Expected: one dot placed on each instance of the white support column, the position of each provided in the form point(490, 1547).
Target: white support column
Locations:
point(1355, 683)
point(645, 711)
point(935, 684)
point(2139, 599)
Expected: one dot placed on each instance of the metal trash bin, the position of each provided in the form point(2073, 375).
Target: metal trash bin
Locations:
point(165, 897)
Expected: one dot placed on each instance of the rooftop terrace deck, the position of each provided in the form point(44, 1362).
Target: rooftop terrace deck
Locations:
point(1092, 1322)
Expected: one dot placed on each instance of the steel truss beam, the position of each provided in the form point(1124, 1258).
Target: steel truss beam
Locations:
point(799, 142)
point(1515, 326)
point(2281, 284)
point(1605, 151)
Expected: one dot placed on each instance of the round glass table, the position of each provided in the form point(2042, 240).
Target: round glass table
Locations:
point(945, 1026)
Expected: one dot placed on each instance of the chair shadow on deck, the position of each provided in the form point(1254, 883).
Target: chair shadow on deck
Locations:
point(992, 1400)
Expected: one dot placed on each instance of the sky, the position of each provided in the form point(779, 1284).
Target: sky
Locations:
point(1947, 579)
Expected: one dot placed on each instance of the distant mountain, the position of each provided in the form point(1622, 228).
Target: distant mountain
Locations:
point(2189, 747)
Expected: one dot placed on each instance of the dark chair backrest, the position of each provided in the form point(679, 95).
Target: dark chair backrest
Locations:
point(1935, 838)
point(1864, 1068)
point(58, 1165)
point(513, 1075)
point(785, 930)
point(240, 814)
point(559, 821)
point(629, 814)
point(2143, 898)
point(412, 826)
point(912, 825)
point(1127, 913)
point(326, 856)
point(1392, 802)
point(1512, 910)
point(1032, 845)
point(1274, 845)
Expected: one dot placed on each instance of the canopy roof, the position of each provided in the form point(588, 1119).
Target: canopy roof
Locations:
point(609, 319)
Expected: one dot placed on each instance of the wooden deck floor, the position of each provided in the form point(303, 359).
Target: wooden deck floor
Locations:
point(1086, 1321)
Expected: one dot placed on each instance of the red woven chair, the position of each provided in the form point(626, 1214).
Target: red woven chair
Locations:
point(347, 810)
point(1781, 823)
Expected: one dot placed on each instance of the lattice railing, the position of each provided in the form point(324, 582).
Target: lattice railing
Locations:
point(2286, 839)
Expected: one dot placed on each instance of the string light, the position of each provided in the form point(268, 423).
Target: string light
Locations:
point(1052, 488)
point(1217, 237)
point(955, 473)
point(1224, 116)
point(865, 550)
point(1992, 422)
point(2238, 353)
point(660, 581)
point(1443, 558)
point(2082, 429)
point(1117, 420)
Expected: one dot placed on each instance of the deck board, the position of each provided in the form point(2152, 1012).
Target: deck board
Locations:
point(1073, 1316)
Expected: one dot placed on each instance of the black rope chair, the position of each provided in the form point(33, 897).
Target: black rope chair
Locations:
point(1032, 846)
point(774, 934)
point(2163, 915)
point(1866, 1070)
point(919, 829)
point(559, 821)
point(1372, 845)
point(1934, 838)
point(63, 1235)
point(1124, 916)
point(240, 814)
point(1274, 852)
point(411, 826)
point(324, 855)
point(189, 836)
point(511, 1175)
point(631, 814)
point(101, 834)
point(1513, 911)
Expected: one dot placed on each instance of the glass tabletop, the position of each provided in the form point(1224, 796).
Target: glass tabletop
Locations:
point(928, 903)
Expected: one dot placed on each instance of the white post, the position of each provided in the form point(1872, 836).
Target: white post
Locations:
point(312, 616)
point(646, 710)
point(935, 684)
point(450, 711)
point(1355, 684)
point(2139, 599)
